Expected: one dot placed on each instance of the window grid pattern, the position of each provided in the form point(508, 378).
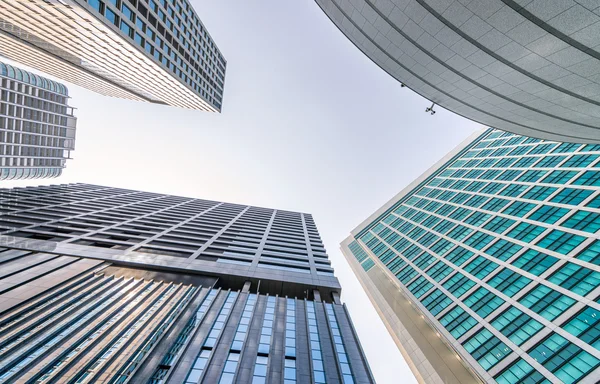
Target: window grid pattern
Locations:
point(543, 227)
point(201, 361)
point(316, 355)
point(264, 344)
point(181, 227)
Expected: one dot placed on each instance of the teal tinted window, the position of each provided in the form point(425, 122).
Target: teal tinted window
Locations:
point(406, 274)
point(516, 325)
point(579, 161)
point(439, 271)
point(548, 214)
point(495, 204)
point(520, 372)
point(566, 148)
point(458, 284)
point(591, 253)
point(571, 196)
point(480, 267)
point(546, 302)
point(588, 178)
point(583, 221)
point(436, 302)
point(509, 282)
point(420, 286)
point(424, 260)
point(526, 232)
point(499, 224)
point(566, 360)
point(538, 193)
point(483, 302)
point(531, 176)
point(549, 161)
point(594, 203)
point(586, 326)
point(486, 348)
point(478, 240)
point(459, 255)
point(477, 218)
point(457, 321)
point(559, 177)
point(561, 242)
point(575, 278)
point(534, 262)
point(503, 249)
point(513, 190)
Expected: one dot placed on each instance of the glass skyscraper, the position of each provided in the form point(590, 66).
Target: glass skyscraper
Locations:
point(487, 267)
point(37, 126)
point(109, 285)
point(149, 50)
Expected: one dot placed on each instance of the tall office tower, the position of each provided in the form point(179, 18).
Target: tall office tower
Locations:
point(487, 267)
point(108, 285)
point(530, 67)
point(37, 126)
point(149, 50)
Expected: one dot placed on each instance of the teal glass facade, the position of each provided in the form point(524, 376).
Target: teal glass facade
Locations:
point(498, 250)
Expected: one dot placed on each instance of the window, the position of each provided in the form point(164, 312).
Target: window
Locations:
point(546, 302)
point(315, 345)
point(503, 249)
point(576, 279)
point(436, 302)
point(531, 176)
point(534, 262)
point(459, 255)
point(495, 204)
point(516, 325)
point(457, 321)
point(499, 224)
point(478, 240)
point(548, 214)
point(566, 148)
point(549, 161)
point(128, 13)
point(518, 208)
point(586, 326)
point(583, 221)
point(509, 282)
point(526, 232)
point(458, 284)
point(111, 16)
point(579, 161)
point(566, 360)
point(560, 241)
point(520, 372)
point(480, 267)
point(486, 348)
point(559, 177)
point(439, 271)
point(591, 254)
point(126, 29)
point(538, 193)
point(588, 178)
point(420, 286)
point(513, 190)
point(571, 196)
point(483, 302)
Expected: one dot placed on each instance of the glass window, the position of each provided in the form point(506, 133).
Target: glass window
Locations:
point(509, 282)
point(486, 348)
point(483, 302)
point(436, 302)
point(586, 326)
point(520, 372)
point(526, 232)
point(576, 278)
point(591, 254)
point(588, 178)
point(539, 193)
point(547, 302)
point(534, 262)
point(583, 221)
point(126, 29)
point(458, 284)
point(548, 214)
point(127, 12)
point(561, 242)
point(571, 196)
point(566, 360)
point(480, 267)
point(503, 249)
point(516, 325)
point(457, 321)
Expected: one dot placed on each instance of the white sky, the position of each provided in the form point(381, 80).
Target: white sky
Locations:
point(309, 124)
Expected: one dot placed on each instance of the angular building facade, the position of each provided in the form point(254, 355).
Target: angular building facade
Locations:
point(37, 126)
point(147, 50)
point(108, 285)
point(487, 267)
point(529, 67)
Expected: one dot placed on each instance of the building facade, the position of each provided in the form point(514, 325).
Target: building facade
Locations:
point(487, 267)
point(37, 126)
point(108, 285)
point(149, 50)
point(529, 67)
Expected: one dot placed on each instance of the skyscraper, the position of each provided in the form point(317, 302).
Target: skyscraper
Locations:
point(149, 50)
point(528, 67)
point(37, 126)
point(487, 267)
point(109, 285)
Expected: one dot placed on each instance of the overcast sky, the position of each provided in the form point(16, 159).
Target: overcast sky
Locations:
point(309, 124)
